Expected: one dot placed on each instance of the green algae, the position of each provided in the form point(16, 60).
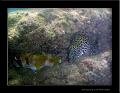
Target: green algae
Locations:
point(13, 19)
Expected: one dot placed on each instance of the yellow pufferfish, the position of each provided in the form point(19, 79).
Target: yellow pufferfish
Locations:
point(39, 61)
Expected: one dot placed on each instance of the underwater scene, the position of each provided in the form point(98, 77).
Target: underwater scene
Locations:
point(59, 46)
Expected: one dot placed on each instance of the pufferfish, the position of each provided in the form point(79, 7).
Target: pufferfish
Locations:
point(82, 45)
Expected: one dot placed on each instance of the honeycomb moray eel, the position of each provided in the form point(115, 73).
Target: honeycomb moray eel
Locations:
point(82, 45)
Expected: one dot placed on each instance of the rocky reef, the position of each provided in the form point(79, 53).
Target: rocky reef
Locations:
point(80, 37)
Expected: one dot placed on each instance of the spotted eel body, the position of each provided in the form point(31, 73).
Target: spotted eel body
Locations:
point(82, 45)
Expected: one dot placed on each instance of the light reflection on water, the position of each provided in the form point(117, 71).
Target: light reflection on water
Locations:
point(11, 10)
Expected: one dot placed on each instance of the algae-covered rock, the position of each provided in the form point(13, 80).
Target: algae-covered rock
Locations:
point(93, 70)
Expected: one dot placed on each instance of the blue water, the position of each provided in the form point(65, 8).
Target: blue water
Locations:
point(16, 9)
